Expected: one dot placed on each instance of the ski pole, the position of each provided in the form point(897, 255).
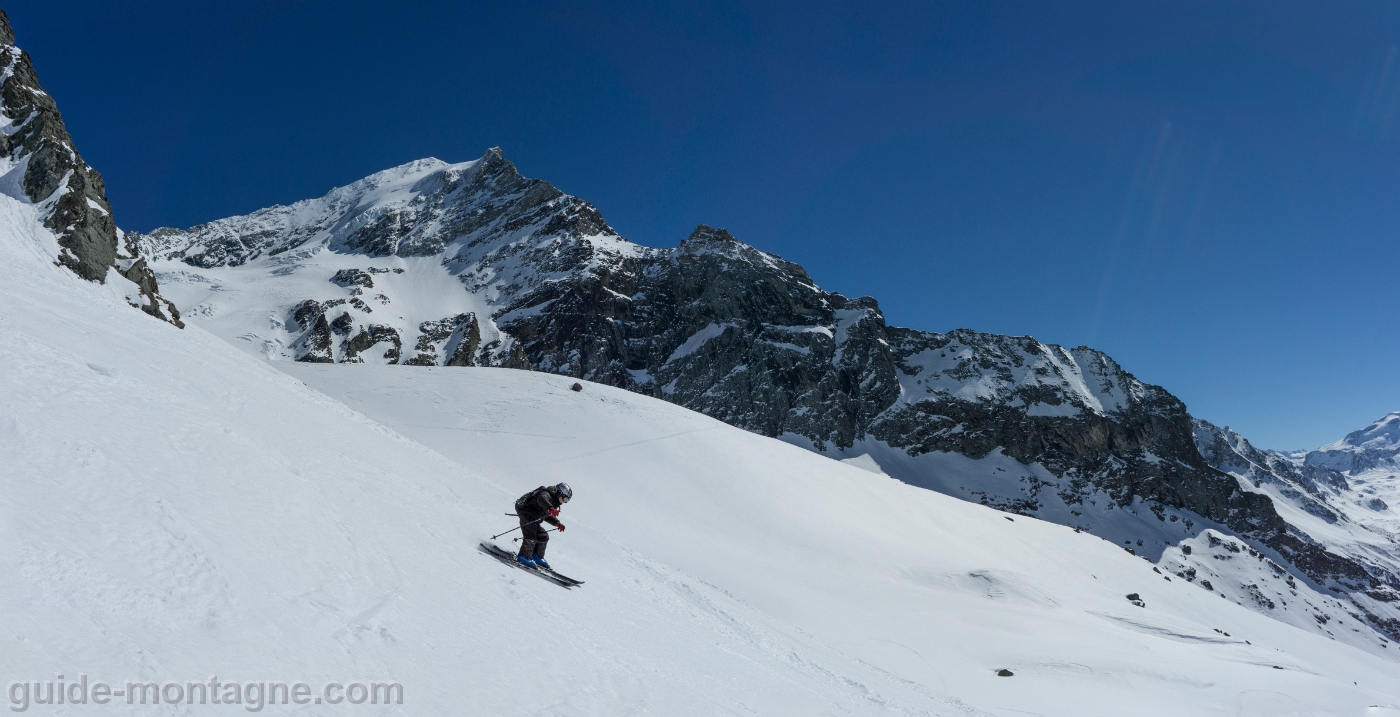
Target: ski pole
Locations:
point(547, 530)
point(518, 527)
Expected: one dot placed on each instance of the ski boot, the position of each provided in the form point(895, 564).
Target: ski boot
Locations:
point(527, 562)
point(539, 562)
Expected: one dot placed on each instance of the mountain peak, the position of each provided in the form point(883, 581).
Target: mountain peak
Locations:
point(1376, 446)
point(704, 234)
point(7, 35)
point(494, 164)
point(1384, 435)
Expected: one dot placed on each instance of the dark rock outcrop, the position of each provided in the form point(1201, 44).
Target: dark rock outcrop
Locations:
point(456, 338)
point(318, 342)
point(353, 277)
point(367, 338)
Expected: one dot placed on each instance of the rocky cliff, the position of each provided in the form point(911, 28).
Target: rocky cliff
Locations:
point(39, 165)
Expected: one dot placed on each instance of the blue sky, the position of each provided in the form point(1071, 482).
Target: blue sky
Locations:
point(1209, 192)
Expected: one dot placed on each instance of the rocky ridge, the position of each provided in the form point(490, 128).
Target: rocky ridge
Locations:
point(39, 165)
point(473, 264)
point(1310, 487)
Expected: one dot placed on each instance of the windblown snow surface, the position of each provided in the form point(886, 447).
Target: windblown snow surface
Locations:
point(176, 509)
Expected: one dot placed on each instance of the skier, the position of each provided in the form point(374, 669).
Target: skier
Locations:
point(540, 505)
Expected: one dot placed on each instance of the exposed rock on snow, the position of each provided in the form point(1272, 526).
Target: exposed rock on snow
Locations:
point(457, 338)
point(353, 277)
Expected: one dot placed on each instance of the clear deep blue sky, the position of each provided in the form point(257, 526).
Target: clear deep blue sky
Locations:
point(1209, 192)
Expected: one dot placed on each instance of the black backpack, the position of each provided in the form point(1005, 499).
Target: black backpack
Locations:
point(527, 502)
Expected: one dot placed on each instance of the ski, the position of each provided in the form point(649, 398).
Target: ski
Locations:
point(561, 576)
point(509, 559)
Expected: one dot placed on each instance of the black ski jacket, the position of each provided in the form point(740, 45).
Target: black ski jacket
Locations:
point(535, 505)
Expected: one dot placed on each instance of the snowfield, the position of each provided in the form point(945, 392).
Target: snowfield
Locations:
point(177, 509)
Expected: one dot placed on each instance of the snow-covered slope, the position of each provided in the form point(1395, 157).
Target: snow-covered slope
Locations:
point(176, 510)
point(786, 534)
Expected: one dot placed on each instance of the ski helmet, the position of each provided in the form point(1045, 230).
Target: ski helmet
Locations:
point(564, 492)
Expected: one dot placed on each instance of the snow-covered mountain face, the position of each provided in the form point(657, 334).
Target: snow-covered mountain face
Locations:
point(1370, 461)
point(1374, 448)
point(40, 166)
point(1310, 487)
point(410, 265)
point(1341, 510)
point(474, 265)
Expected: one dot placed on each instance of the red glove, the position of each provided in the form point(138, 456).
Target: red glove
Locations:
point(554, 512)
point(561, 529)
